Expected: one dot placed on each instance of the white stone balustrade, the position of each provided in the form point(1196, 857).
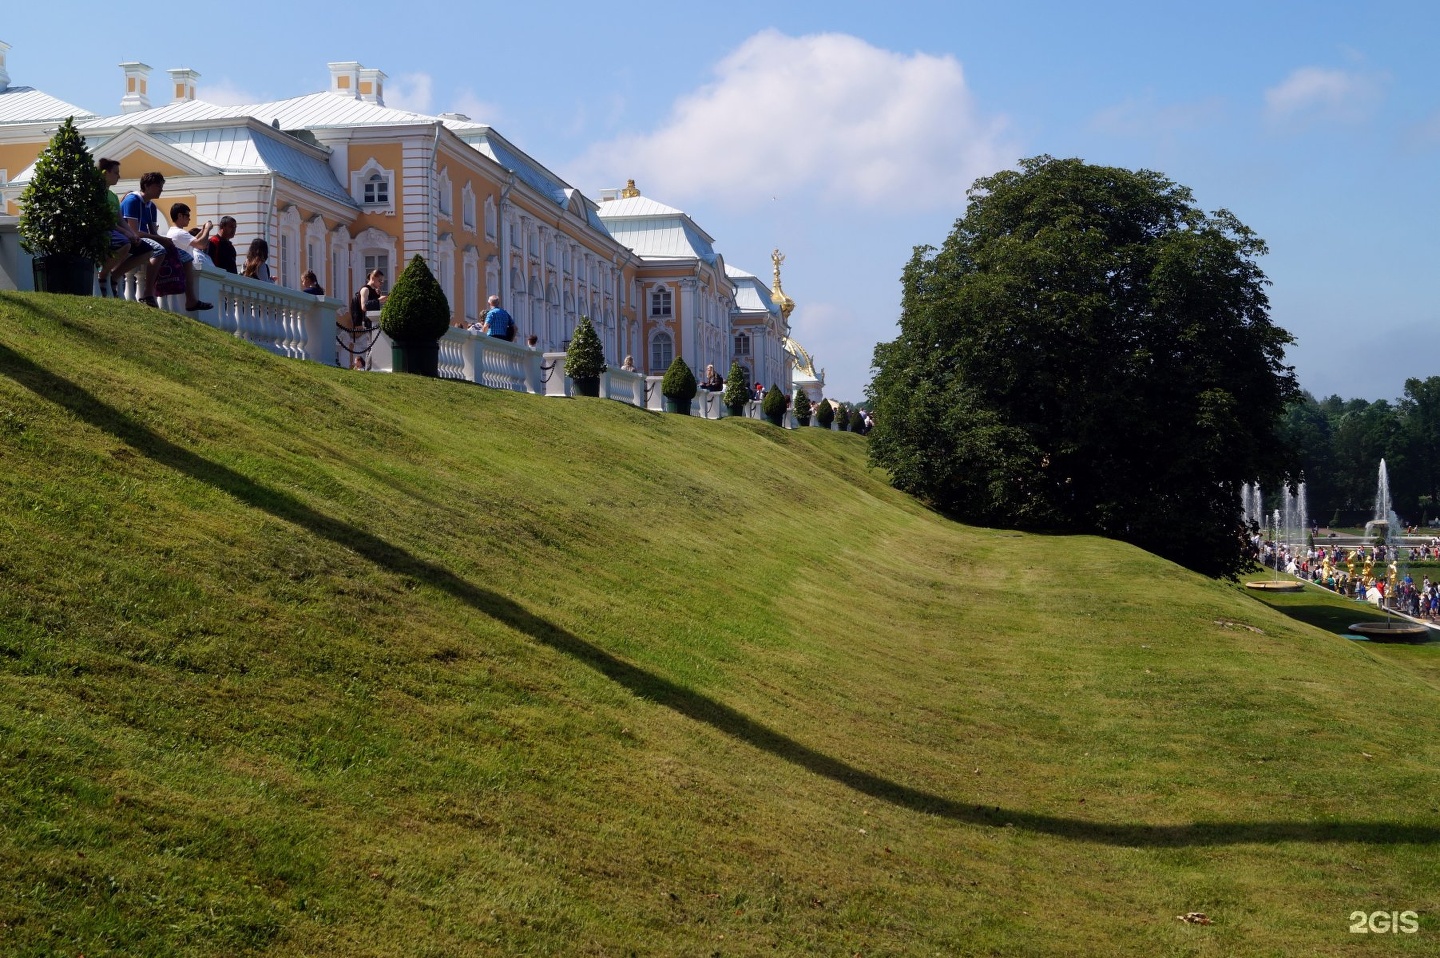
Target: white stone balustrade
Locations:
point(296, 325)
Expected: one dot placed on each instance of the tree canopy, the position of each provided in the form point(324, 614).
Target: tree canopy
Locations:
point(1087, 352)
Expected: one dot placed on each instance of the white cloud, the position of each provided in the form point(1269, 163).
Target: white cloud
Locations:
point(481, 111)
point(226, 93)
point(1319, 93)
point(827, 113)
point(409, 91)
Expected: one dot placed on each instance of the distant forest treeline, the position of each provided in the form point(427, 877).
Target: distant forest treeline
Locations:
point(1339, 444)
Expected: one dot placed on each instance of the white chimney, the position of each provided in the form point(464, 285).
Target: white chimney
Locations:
point(4, 76)
point(183, 83)
point(345, 78)
point(372, 86)
point(137, 87)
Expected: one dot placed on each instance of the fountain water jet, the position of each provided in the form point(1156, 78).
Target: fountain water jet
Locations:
point(1385, 528)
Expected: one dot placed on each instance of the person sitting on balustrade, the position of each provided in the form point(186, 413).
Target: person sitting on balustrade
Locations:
point(713, 381)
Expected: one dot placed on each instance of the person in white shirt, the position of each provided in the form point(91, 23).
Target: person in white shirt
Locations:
point(196, 244)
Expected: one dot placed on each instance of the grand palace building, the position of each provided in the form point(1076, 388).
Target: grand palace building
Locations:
point(339, 183)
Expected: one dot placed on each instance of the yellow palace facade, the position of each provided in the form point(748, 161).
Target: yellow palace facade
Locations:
point(339, 183)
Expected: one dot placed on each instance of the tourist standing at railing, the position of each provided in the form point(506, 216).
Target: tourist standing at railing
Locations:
point(629, 364)
point(222, 251)
point(257, 261)
point(310, 283)
point(498, 322)
point(367, 299)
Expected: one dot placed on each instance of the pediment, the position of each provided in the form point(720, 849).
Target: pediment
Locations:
point(139, 152)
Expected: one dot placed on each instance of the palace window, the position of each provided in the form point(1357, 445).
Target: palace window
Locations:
point(444, 194)
point(662, 352)
point(467, 208)
point(377, 191)
point(742, 344)
point(661, 302)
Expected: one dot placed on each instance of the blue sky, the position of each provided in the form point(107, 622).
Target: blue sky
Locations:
point(846, 133)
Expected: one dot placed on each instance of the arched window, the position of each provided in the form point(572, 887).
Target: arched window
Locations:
point(467, 207)
point(287, 263)
point(372, 187)
point(471, 291)
point(445, 268)
point(662, 351)
point(445, 194)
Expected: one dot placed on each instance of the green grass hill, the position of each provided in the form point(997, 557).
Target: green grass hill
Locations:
point(298, 661)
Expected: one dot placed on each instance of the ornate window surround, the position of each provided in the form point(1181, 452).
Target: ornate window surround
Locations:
point(363, 177)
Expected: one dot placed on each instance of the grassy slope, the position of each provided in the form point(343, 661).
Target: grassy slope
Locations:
point(307, 662)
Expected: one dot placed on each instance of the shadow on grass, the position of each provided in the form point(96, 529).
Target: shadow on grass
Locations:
point(686, 702)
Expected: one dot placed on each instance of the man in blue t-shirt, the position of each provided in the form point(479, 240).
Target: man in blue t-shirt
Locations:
point(498, 322)
point(139, 213)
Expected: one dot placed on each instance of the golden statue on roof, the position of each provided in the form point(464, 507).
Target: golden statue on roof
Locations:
point(630, 191)
point(785, 303)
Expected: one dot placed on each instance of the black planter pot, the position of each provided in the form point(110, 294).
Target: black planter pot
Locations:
point(420, 357)
point(776, 420)
point(737, 410)
point(64, 273)
point(678, 406)
point(587, 385)
point(804, 420)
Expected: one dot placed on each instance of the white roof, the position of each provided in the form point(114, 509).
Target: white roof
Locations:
point(751, 295)
point(636, 206)
point(23, 104)
point(656, 231)
point(245, 149)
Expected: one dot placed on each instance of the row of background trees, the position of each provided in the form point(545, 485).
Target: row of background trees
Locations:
point(1339, 444)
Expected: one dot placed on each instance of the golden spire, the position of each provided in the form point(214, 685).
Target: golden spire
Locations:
point(630, 191)
point(785, 304)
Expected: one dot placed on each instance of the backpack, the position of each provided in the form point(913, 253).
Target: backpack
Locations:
point(358, 319)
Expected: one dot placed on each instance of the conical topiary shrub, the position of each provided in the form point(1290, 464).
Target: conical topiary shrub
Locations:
point(679, 387)
point(802, 407)
point(737, 390)
point(774, 405)
point(585, 359)
point(415, 316)
point(826, 415)
point(65, 220)
point(842, 418)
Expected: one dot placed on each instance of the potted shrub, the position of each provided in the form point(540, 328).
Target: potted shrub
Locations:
point(737, 390)
point(65, 220)
point(826, 415)
point(802, 408)
point(774, 406)
point(585, 359)
point(415, 316)
point(679, 387)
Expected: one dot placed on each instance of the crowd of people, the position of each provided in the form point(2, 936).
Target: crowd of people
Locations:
point(1365, 573)
point(171, 259)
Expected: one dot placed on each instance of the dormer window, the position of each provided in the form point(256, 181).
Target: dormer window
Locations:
point(377, 190)
point(372, 187)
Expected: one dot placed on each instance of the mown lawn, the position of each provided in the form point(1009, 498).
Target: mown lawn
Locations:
point(299, 661)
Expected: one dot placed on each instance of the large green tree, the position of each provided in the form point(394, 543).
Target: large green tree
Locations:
point(1089, 352)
